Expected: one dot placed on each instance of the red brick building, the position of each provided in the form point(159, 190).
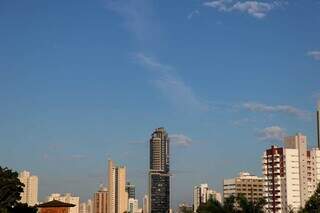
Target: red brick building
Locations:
point(55, 206)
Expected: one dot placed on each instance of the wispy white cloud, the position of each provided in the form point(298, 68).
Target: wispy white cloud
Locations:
point(287, 109)
point(272, 133)
point(315, 54)
point(257, 9)
point(170, 84)
point(180, 140)
point(137, 16)
point(254, 8)
point(193, 13)
point(222, 5)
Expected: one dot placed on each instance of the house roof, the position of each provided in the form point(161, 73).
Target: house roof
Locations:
point(55, 203)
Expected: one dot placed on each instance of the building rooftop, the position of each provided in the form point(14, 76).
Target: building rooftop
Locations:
point(55, 203)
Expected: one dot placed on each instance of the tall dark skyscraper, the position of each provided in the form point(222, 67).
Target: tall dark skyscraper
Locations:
point(159, 177)
point(131, 190)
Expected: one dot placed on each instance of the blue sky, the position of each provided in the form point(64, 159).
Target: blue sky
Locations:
point(85, 80)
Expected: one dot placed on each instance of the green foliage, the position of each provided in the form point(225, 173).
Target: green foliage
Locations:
point(313, 204)
point(211, 206)
point(10, 190)
point(232, 204)
point(22, 208)
point(251, 206)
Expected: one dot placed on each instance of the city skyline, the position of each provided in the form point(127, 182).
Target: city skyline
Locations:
point(82, 82)
point(290, 176)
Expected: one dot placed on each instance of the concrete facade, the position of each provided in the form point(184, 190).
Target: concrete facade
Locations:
point(250, 186)
point(100, 199)
point(30, 189)
point(117, 195)
point(291, 174)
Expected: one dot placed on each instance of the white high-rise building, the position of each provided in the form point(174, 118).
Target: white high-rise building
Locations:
point(145, 205)
point(291, 174)
point(133, 205)
point(86, 207)
point(67, 198)
point(30, 189)
point(202, 193)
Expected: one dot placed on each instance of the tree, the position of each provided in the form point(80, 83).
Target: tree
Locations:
point(23, 208)
point(229, 204)
point(10, 188)
point(251, 206)
point(232, 204)
point(313, 204)
point(214, 206)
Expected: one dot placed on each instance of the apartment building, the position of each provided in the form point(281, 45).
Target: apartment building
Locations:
point(248, 185)
point(202, 193)
point(291, 174)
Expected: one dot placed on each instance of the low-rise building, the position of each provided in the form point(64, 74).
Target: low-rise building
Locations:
point(248, 185)
point(67, 198)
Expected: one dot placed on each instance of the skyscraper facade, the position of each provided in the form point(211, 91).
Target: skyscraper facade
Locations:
point(131, 190)
point(159, 177)
point(291, 174)
point(30, 189)
point(117, 195)
point(100, 200)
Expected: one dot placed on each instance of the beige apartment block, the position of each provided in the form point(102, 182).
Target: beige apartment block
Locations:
point(100, 199)
point(30, 189)
point(250, 186)
point(117, 195)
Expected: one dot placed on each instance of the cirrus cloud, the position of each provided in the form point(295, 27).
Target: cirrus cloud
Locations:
point(173, 87)
point(287, 109)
